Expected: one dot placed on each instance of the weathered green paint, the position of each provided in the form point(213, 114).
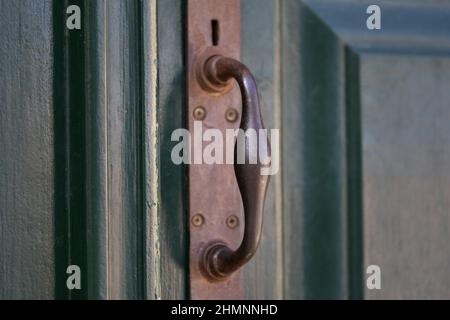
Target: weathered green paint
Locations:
point(314, 176)
point(27, 259)
point(70, 165)
point(259, 17)
point(86, 176)
point(110, 126)
point(173, 212)
point(99, 115)
point(338, 217)
point(406, 179)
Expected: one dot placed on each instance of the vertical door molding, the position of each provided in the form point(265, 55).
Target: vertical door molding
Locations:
point(100, 113)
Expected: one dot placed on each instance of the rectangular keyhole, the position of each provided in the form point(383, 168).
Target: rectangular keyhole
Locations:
point(215, 32)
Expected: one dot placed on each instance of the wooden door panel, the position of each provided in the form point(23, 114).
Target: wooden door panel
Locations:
point(263, 274)
point(26, 150)
point(313, 157)
point(405, 113)
point(367, 111)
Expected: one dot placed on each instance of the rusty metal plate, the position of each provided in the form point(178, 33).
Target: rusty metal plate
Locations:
point(215, 208)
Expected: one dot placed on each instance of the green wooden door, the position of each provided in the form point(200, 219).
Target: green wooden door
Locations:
point(86, 176)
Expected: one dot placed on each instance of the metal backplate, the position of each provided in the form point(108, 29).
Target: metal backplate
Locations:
point(213, 27)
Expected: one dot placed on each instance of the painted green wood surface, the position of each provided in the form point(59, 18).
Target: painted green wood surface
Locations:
point(263, 275)
point(27, 259)
point(70, 169)
point(173, 214)
point(99, 111)
point(365, 111)
point(314, 180)
point(123, 192)
point(406, 179)
point(86, 176)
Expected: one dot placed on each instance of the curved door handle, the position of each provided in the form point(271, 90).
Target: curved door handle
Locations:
point(218, 260)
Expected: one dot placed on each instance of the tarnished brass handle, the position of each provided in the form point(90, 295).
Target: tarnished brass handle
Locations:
point(219, 261)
